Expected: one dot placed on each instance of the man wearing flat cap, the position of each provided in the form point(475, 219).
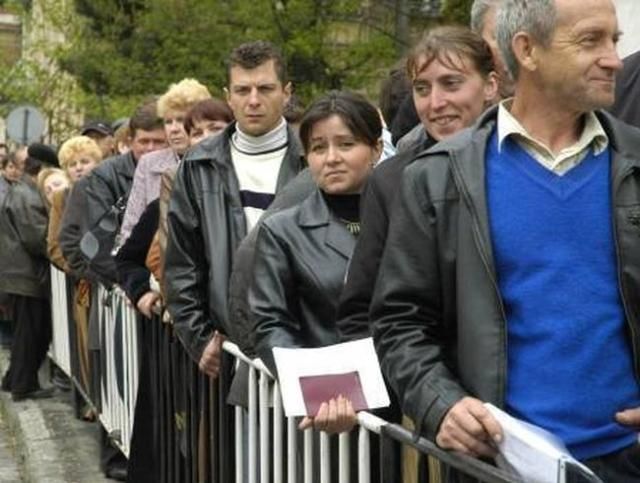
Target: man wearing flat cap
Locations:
point(102, 133)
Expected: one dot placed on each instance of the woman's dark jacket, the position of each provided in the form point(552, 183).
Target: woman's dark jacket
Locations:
point(240, 326)
point(73, 226)
point(24, 267)
point(376, 203)
point(437, 314)
point(133, 275)
point(206, 223)
point(301, 258)
point(627, 107)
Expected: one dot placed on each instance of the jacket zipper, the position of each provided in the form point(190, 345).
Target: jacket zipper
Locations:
point(485, 261)
point(621, 289)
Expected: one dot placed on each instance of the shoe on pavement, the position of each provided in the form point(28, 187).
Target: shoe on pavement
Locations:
point(42, 393)
point(117, 473)
point(61, 381)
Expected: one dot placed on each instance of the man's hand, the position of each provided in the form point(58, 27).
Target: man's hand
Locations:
point(469, 428)
point(146, 302)
point(335, 416)
point(629, 417)
point(211, 356)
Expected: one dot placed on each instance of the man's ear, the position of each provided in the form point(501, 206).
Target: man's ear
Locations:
point(491, 89)
point(377, 150)
point(288, 89)
point(227, 94)
point(525, 50)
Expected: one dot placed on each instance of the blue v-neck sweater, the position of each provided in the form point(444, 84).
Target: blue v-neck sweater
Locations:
point(569, 361)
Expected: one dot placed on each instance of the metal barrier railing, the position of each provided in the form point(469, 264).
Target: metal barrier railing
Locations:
point(119, 373)
point(60, 351)
point(199, 437)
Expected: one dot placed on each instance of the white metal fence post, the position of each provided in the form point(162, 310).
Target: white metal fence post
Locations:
point(239, 444)
point(265, 456)
point(292, 451)
point(308, 455)
point(278, 427)
point(364, 456)
point(325, 458)
point(253, 426)
point(344, 462)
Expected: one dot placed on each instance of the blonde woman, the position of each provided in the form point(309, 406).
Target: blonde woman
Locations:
point(51, 181)
point(77, 156)
point(173, 107)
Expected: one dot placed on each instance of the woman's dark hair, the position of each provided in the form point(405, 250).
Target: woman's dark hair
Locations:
point(10, 158)
point(210, 109)
point(32, 166)
point(294, 110)
point(393, 90)
point(449, 43)
point(358, 114)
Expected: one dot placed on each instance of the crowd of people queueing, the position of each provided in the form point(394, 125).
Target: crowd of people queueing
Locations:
point(480, 224)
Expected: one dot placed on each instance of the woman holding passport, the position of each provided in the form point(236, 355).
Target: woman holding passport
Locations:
point(302, 253)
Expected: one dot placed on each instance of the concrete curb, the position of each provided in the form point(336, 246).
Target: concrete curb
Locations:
point(52, 444)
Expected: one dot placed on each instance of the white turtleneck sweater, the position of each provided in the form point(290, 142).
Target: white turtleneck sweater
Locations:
point(257, 162)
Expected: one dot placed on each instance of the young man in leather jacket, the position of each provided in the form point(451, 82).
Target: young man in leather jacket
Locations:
point(220, 190)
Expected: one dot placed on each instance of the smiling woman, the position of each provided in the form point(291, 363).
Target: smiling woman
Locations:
point(453, 80)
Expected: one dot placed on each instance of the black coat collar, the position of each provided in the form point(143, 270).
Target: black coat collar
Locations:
point(315, 214)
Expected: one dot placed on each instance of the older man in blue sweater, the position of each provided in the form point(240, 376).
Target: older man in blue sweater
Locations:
point(512, 268)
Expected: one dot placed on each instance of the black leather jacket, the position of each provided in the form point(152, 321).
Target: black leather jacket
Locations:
point(106, 184)
point(437, 315)
point(376, 203)
point(240, 325)
point(300, 262)
point(24, 267)
point(205, 226)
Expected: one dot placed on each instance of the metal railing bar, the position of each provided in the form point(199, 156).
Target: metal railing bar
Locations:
point(253, 426)
point(344, 458)
point(238, 443)
point(364, 455)
point(265, 456)
point(472, 466)
point(292, 445)
point(278, 428)
point(308, 456)
point(325, 458)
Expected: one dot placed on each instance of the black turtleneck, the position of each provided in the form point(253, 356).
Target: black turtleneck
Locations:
point(346, 208)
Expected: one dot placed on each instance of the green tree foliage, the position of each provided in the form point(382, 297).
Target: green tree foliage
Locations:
point(120, 51)
point(457, 11)
point(36, 78)
point(125, 49)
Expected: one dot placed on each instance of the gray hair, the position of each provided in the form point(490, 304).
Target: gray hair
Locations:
point(479, 11)
point(535, 17)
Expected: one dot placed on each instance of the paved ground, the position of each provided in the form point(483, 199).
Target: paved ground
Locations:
point(42, 441)
point(9, 463)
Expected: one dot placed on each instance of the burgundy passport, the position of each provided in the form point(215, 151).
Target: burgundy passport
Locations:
point(319, 389)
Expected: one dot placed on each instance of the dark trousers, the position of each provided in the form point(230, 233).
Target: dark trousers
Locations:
point(110, 456)
point(31, 339)
point(619, 467)
point(143, 455)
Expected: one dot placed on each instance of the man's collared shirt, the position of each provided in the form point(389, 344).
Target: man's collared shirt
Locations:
point(593, 134)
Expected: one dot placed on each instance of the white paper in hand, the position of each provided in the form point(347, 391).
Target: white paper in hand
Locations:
point(344, 359)
point(532, 453)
